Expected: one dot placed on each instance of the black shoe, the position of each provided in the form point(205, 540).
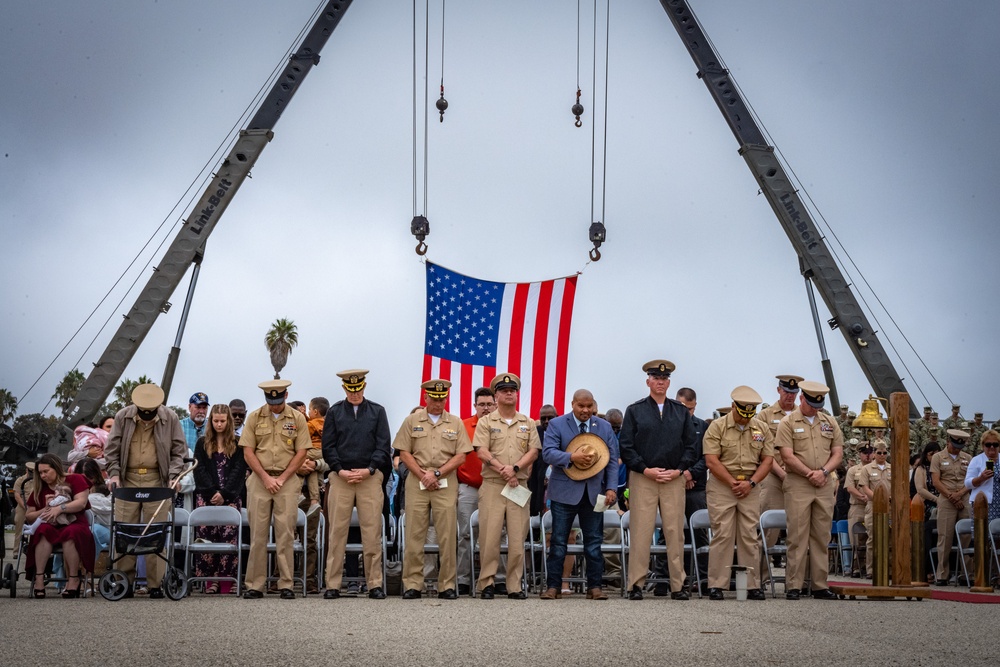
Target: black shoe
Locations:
point(716, 594)
point(519, 595)
point(635, 593)
point(287, 594)
point(411, 594)
point(856, 574)
point(941, 582)
point(331, 594)
point(680, 595)
point(487, 593)
point(792, 594)
point(155, 593)
point(661, 590)
point(251, 594)
point(756, 594)
point(500, 588)
point(824, 594)
point(464, 589)
point(376, 593)
point(448, 594)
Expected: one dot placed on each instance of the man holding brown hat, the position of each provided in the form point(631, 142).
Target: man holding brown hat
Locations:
point(583, 452)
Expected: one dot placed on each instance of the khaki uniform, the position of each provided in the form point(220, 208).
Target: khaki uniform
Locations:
point(144, 455)
point(772, 496)
point(28, 485)
point(342, 498)
point(734, 520)
point(508, 443)
point(872, 477)
point(809, 510)
point(857, 507)
point(951, 470)
point(275, 443)
point(432, 445)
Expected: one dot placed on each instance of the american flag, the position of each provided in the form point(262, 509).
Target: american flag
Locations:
point(478, 328)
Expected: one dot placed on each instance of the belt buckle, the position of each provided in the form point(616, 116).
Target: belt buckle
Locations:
point(142, 471)
point(741, 478)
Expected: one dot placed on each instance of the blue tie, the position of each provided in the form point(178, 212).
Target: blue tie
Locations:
point(583, 427)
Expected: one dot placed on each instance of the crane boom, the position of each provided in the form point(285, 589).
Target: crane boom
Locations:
point(194, 232)
point(818, 263)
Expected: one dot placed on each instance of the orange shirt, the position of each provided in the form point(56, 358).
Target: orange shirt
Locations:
point(471, 471)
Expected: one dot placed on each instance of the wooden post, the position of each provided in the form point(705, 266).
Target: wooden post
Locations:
point(880, 537)
point(899, 413)
point(918, 552)
point(981, 533)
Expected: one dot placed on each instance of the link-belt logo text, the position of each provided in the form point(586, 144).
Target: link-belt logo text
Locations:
point(208, 211)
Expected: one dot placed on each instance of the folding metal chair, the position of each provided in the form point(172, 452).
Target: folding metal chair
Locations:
point(773, 520)
point(994, 537)
point(963, 528)
point(859, 558)
point(298, 549)
point(429, 548)
point(574, 551)
point(214, 516)
point(655, 549)
point(355, 549)
point(615, 547)
point(527, 547)
point(700, 521)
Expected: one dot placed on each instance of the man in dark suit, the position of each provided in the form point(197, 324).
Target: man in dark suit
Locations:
point(583, 452)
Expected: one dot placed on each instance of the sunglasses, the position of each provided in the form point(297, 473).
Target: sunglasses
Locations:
point(882, 453)
point(991, 444)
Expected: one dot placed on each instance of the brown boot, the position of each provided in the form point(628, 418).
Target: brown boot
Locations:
point(551, 594)
point(597, 594)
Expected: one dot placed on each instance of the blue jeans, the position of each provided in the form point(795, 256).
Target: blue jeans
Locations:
point(592, 527)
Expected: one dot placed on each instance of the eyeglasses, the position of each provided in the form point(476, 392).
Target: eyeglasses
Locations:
point(485, 405)
point(991, 444)
point(882, 453)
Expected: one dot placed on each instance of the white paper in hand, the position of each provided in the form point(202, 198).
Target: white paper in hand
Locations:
point(518, 494)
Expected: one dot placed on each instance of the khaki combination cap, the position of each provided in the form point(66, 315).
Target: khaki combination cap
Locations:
point(814, 392)
point(436, 388)
point(147, 396)
point(958, 434)
point(659, 367)
point(746, 396)
point(354, 379)
point(275, 391)
point(505, 381)
point(789, 383)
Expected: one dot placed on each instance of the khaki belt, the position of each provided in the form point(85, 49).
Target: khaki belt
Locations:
point(142, 471)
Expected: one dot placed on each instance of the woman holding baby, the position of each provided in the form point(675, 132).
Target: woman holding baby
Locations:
point(60, 501)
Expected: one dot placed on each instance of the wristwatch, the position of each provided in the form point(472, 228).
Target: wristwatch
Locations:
point(371, 470)
point(826, 473)
point(517, 468)
point(753, 484)
point(437, 473)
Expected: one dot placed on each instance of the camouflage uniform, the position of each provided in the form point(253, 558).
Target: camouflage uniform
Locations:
point(954, 420)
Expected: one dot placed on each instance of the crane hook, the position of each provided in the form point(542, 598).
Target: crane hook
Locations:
point(577, 109)
point(595, 254)
point(422, 248)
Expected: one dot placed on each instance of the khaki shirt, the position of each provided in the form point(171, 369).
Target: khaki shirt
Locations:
point(740, 451)
point(813, 443)
point(772, 416)
point(951, 470)
point(872, 477)
point(142, 453)
point(507, 442)
point(853, 475)
point(275, 441)
point(432, 445)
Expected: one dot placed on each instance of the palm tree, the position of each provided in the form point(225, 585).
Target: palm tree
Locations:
point(279, 340)
point(8, 406)
point(67, 390)
point(123, 393)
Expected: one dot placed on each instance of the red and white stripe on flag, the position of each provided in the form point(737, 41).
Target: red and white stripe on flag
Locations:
point(478, 328)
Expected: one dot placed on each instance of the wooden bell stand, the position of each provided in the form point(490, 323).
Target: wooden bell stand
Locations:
point(899, 410)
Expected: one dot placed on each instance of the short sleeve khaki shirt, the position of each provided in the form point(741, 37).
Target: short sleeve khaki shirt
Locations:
point(275, 441)
point(740, 451)
point(507, 442)
point(432, 445)
point(810, 443)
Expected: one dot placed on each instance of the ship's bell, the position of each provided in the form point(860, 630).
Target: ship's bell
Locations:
point(871, 416)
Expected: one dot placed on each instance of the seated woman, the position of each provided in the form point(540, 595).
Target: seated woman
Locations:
point(219, 480)
point(72, 531)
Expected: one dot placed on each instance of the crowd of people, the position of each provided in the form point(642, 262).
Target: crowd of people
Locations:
point(655, 460)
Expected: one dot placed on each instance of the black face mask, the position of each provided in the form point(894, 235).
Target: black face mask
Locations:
point(146, 415)
point(957, 444)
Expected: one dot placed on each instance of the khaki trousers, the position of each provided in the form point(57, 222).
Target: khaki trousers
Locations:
point(947, 516)
point(343, 498)
point(809, 512)
point(261, 506)
point(126, 512)
point(420, 506)
point(494, 512)
point(645, 498)
point(734, 522)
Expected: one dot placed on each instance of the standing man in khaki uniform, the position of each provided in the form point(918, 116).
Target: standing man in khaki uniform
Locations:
point(812, 446)
point(146, 448)
point(274, 441)
point(948, 468)
point(356, 447)
point(873, 475)
point(772, 496)
point(432, 444)
point(858, 502)
point(738, 451)
point(507, 443)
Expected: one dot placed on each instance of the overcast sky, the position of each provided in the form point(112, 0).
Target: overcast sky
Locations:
point(885, 110)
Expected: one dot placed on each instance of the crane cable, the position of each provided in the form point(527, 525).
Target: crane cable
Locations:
point(597, 232)
point(419, 226)
point(183, 203)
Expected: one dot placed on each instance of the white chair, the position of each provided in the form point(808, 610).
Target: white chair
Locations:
point(615, 548)
point(773, 520)
point(700, 521)
point(214, 516)
point(963, 528)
